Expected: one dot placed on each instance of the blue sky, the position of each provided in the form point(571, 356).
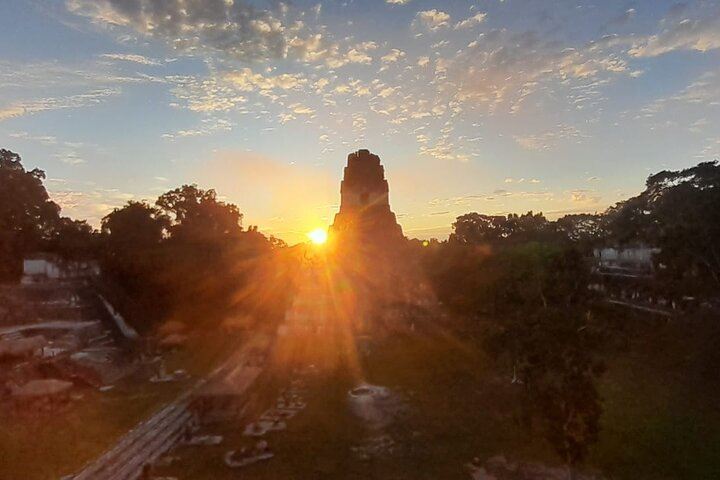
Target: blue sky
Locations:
point(490, 106)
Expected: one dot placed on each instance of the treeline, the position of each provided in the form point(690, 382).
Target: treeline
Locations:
point(185, 257)
point(519, 283)
point(678, 213)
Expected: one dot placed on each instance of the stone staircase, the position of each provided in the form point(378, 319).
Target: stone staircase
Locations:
point(142, 445)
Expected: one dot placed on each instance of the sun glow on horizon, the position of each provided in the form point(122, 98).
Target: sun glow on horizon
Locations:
point(318, 236)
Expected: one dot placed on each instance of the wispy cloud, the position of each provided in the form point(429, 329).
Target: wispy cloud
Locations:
point(131, 57)
point(470, 22)
point(548, 139)
point(18, 109)
point(700, 34)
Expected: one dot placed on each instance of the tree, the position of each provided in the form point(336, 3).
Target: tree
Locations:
point(548, 338)
point(135, 226)
point(26, 213)
point(73, 239)
point(476, 229)
point(585, 229)
point(536, 289)
point(197, 214)
point(473, 279)
point(133, 260)
point(678, 213)
point(187, 258)
point(537, 275)
point(555, 361)
point(460, 276)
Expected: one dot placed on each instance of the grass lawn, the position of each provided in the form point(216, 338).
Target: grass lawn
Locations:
point(51, 445)
point(661, 419)
point(455, 417)
point(316, 444)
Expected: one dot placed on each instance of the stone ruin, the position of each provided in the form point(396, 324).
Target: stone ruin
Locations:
point(371, 251)
point(365, 213)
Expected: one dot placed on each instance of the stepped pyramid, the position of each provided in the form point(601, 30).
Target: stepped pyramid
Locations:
point(364, 205)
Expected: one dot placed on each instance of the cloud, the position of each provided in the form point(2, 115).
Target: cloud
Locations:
point(356, 56)
point(91, 205)
point(235, 28)
point(319, 48)
point(701, 34)
point(622, 19)
point(386, 92)
point(45, 75)
point(359, 54)
point(207, 126)
point(589, 197)
point(211, 94)
point(393, 56)
point(520, 180)
point(21, 108)
point(503, 67)
point(702, 92)
point(548, 139)
point(247, 80)
point(43, 139)
point(70, 158)
point(444, 150)
point(300, 109)
point(130, 57)
point(226, 91)
point(433, 19)
point(397, 2)
point(470, 22)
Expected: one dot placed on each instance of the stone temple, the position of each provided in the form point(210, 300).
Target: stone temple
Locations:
point(364, 204)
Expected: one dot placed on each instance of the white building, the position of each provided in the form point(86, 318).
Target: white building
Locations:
point(44, 267)
point(631, 259)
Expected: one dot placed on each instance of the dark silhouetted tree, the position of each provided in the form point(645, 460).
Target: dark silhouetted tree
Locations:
point(584, 229)
point(555, 360)
point(197, 214)
point(523, 271)
point(74, 239)
point(477, 229)
point(677, 212)
point(27, 214)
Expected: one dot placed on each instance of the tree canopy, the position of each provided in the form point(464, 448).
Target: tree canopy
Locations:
point(678, 212)
point(27, 215)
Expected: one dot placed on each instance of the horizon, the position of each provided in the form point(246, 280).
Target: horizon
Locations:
point(492, 106)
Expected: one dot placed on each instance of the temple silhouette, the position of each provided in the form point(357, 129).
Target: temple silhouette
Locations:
point(365, 213)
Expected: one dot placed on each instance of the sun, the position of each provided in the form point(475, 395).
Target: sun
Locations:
point(318, 236)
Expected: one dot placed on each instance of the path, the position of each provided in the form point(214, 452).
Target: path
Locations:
point(151, 438)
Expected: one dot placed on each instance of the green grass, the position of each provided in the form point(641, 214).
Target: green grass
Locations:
point(660, 419)
point(316, 444)
point(51, 445)
point(462, 406)
point(458, 413)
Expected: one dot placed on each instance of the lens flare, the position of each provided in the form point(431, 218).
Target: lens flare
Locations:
point(318, 236)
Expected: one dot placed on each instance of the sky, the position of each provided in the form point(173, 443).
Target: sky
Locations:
point(491, 106)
